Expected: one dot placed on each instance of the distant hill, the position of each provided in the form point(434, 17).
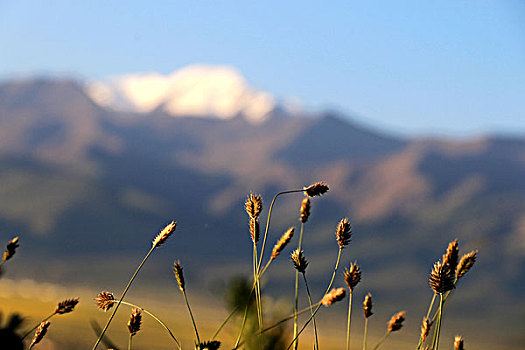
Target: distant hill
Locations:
point(83, 182)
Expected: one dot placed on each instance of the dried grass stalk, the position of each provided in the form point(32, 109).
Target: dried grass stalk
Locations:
point(396, 322)
point(105, 300)
point(177, 270)
point(343, 233)
point(164, 234)
point(10, 249)
point(253, 205)
point(66, 306)
point(282, 242)
point(40, 333)
point(134, 322)
point(352, 276)
point(335, 295)
point(316, 189)
point(367, 306)
point(299, 261)
point(305, 210)
point(465, 263)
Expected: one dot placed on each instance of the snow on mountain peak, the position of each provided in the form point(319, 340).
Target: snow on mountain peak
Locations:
point(196, 90)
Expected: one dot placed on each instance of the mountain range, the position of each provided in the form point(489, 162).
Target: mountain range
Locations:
point(85, 178)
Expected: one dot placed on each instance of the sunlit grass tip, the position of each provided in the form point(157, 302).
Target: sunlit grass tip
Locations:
point(10, 249)
point(164, 234)
point(40, 333)
point(335, 295)
point(316, 189)
point(105, 300)
point(66, 306)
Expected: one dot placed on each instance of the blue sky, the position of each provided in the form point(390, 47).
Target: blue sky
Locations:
point(415, 67)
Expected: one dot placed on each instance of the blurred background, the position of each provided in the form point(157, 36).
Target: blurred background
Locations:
point(117, 117)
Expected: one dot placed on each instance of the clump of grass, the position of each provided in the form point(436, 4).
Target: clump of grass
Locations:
point(443, 279)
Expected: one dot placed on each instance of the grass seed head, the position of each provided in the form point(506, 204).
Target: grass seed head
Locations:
point(253, 205)
point(66, 306)
point(452, 255)
point(105, 300)
point(255, 231)
point(134, 322)
point(282, 242)
point(299, 261)
point(352, 276)
point(367, 306)
point(343, 233)
point(335, 295)
point(425, 328)
point(40, 333)
point(465, 263)
point(316, 189)
point(442, 278)
point(164, 234)
point(209, 345)
point(458, 342)
point(396, 322)
point(10, 249)
point(305, 210)
point(177, 270)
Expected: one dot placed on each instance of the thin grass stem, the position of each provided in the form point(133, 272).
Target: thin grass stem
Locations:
point(365, 333)
point(435, 346)
point(192, 318)
point(420, 344)
point(224, 322)
point(257, 287)
point(296, 305)
point(319, 304)
point(349, 318)
point(316, 346)
point(35, 327)
point(122, 298)
point(268, 223)
point(381, 341)
point(244, 318)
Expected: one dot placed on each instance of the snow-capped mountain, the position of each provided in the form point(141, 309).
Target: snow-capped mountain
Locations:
point(195, 90)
